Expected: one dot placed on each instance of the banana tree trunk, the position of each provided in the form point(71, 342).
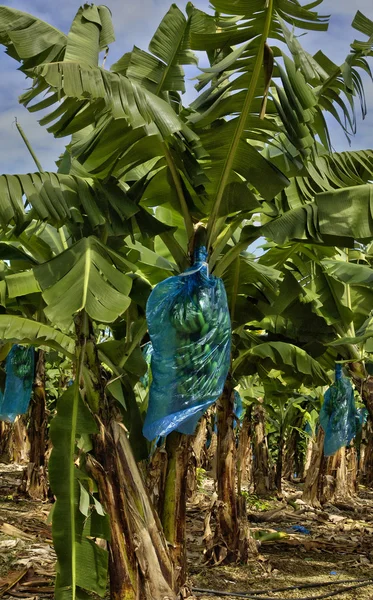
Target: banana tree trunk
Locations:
point(352, 471)
point(244, 454)
point(155, 477)
point(210, 462)
point(261, 470)
point(226, 461)
point(367, 459)
point(34, 477)
point(140, 565)
point(279, 464)
point(335, 479)
point(307, 458)
point(293, 460)
point(196, 458)
point(14, 442)
point(232, 540)
point(5, 435)
point(315, 472)
point(340, 481)
point(174, 501)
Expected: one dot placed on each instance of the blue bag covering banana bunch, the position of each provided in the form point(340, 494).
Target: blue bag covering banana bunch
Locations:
point(19, 368)
point(189, 327)
point(338, 414)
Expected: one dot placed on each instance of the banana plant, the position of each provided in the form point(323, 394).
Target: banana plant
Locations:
point(142, 170)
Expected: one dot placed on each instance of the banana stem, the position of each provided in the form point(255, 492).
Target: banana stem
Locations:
point(29, 148)
point(180, 194)
point(241, 123)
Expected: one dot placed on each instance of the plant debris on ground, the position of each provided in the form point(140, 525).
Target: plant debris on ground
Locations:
point(339, 545)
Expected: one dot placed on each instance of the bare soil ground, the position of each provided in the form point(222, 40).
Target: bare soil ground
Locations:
point(339, 546)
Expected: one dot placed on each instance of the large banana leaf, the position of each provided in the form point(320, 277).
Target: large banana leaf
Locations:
point(251, 274)
point(21, 284)
point(350, 273)
point(294, 361)
point(336, 87)
point(61, 198)
point(26, 331)
point(87, 276)
point(307, 286)
point(105, 91)
point(228, 144)
point(170, 46)
point(163, 75)
point(294, 112)
point(326, 172)
point(82, 564)
point(29, 39)
point(106, 106)
point(337, 218)
point(91, 31)
point(32, 41)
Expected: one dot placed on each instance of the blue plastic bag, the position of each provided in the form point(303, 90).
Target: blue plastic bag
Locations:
point(19, 369)
point(301, 529)
point(189, 327)
point(338, 414)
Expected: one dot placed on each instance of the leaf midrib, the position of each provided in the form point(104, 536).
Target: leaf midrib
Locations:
point(170, 63)
point(241, 124)
point(87, 271)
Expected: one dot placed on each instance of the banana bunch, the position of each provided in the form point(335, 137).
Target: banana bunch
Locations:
point(22, 361)
point(337, 408)
point(201, 329)
point(192, 314)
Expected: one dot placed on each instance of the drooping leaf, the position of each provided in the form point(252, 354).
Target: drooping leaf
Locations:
point(26, 331)
point(90, 32)
point(350, 273)
point(81, 562)
point(290, 358)
point(170, 46)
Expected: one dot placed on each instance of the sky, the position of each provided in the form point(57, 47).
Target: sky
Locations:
point(135, 21)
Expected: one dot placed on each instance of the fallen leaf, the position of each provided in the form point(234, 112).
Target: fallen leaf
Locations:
point(8, 582)
point(7, 544)
point(15, 532)
point(336, 518)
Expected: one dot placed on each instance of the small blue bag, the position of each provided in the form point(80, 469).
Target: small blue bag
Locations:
point(338, 414)
point(190, 330)
point(19, 369)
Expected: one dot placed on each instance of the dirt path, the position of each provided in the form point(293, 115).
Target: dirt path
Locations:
point(339, 546)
